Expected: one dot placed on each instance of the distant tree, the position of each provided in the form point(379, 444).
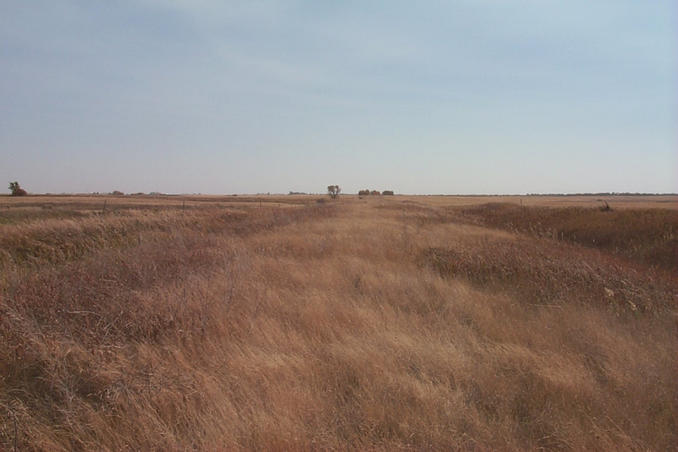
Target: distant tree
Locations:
point(16, 189)
point(363, 192)
point(117, 193)
point(375, 192)
point(333, 191)
point(387, 192)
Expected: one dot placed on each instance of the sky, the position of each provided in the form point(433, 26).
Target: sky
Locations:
point(430, 97)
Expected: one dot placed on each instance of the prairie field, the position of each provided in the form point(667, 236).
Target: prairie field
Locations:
point(302, 323)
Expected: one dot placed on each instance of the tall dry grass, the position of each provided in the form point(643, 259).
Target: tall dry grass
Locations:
point(333, 326)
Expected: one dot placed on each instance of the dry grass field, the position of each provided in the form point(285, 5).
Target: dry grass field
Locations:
point(382, 323)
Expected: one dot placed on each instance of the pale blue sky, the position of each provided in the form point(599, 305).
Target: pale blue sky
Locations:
point(465, 96)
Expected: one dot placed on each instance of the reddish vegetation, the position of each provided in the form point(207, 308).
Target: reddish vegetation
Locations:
point(393, 324)
point(646, 235)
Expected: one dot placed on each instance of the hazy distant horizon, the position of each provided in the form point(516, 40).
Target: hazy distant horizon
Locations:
point(463, 97)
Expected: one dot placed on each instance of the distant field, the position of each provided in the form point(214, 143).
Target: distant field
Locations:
point(640, 201)
point(620, 202)
point(374, 323)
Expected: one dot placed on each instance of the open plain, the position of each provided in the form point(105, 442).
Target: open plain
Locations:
point(303, 323)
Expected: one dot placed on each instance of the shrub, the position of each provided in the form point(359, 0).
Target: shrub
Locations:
point(364, 192)
point(387, 192)
point(16, 189)
point(605, 207)
point(333, 190)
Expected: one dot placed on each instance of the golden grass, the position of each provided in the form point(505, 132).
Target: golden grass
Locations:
point(370, 325)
